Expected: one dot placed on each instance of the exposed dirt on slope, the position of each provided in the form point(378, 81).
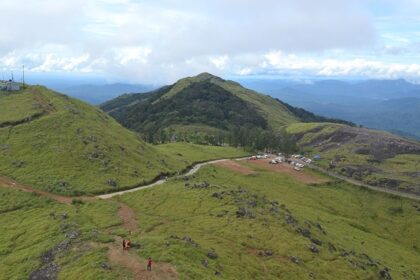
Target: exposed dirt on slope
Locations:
point(301, 176)
point(129, 259)
point(6, 182)
point(235, 166)
point(138, 266)
point(129, 217)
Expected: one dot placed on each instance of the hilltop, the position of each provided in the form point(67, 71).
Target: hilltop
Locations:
point(216, 111)
point(203, 104)
point(59, 144)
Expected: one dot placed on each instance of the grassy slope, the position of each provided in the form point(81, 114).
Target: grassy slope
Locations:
point(276, 114)
point(15, 107)
point(383, 227)
point(28, 231)
point(398, 167)
point(77, 148)
point(184, 154)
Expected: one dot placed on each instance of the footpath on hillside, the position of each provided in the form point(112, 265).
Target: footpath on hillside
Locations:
point(361, 184)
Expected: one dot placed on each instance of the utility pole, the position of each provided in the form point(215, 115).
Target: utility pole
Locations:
point(23, 76)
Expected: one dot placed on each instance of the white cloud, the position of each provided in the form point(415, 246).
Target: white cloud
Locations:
point(219, 61)
point(133, 55)
point(163, 40)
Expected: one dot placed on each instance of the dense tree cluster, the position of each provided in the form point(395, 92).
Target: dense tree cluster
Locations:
point(251, 139)
point(200, 103)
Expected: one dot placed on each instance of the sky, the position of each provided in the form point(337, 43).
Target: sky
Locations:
point(160, 41)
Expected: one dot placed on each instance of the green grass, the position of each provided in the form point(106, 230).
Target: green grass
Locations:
point(28, 230)
point(354, 220)
point(402, 167)
point(381, 226)
point(17, 106)
point(276, 114)
point(305, 127)
point(184, 154)
point(78, 149)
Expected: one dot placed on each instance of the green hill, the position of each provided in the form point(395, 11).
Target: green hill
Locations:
point(203, 104)
point(62, 145)
point(374, 157)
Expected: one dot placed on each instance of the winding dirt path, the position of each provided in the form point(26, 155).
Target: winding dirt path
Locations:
point(9, 183)
point(192, 171)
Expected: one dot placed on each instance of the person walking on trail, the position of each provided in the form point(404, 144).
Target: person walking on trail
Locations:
point(128, 244)
point(123, 244)
point(149, 264)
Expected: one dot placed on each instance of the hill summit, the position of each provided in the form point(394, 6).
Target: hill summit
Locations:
point(204, 104)
point(62, 145)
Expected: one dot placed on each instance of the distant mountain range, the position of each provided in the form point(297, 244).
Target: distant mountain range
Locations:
point(97, 94)
point(391, 105)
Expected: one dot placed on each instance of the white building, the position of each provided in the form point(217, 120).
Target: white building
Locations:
point(9, 86)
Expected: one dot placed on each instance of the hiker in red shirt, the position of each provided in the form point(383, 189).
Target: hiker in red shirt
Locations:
point(149, 264)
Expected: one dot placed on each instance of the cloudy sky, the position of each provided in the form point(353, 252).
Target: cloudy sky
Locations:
point(159, 41)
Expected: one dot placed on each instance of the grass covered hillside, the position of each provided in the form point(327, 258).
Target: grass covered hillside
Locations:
point(205, 109)
point(374, 157)
point(251, 223)
point(62, 145)
point(43, 239)
point(204, 99)
point(231, 220)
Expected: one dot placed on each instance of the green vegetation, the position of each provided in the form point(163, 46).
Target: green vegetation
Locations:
point(209, 110)
point(182, 221)
point(205, 110)
point(186, 154)
point(219, 222)
point(375, 157)
point(37, 232)
point(77, 149)
point(16, 107)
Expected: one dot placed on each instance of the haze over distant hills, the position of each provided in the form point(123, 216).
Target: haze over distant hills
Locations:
point(392, 105)
point(96, 94)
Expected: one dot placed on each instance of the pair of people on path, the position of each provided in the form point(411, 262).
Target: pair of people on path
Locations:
point(127, 244)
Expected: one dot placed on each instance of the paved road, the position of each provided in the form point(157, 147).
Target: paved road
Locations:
point(361, 184)
point(190, 172)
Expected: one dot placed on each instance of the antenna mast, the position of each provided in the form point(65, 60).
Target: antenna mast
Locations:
point(23, 76)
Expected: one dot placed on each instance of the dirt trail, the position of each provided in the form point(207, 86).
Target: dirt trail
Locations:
point(235, 166)
point(6, 182)
point(129, 218)
point(301, 176)
point(129, 259)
